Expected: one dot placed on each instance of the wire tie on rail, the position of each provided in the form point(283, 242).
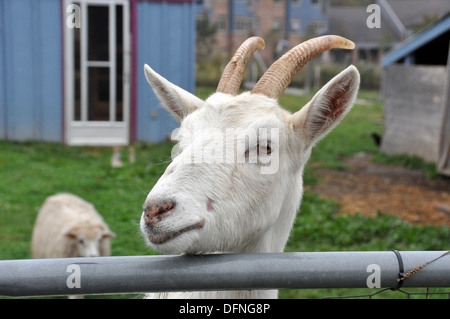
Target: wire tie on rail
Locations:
point(401, 270)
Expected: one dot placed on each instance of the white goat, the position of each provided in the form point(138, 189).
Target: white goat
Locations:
point(231, 205)
point(68, 226)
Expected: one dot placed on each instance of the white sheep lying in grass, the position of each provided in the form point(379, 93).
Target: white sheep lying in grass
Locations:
point(68, 226)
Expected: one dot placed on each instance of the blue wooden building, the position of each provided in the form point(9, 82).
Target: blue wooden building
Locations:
point(72, 71)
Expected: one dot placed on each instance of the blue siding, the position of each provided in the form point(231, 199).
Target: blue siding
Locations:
point(237, 9)
point(30, 70)
point(31, 83)
point(166, 42)
point(306, 12)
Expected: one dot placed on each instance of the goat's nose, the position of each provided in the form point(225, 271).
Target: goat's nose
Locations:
point(156, 210)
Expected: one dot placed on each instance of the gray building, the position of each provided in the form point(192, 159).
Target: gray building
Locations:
point(399, 20)
point(416, 89)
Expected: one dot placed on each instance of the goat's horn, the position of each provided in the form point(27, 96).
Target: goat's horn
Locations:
point(276, 79)
point(234, 71)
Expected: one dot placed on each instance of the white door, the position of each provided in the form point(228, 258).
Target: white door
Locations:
point(97, 72)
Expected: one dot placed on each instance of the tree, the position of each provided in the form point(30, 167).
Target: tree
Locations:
point(206, 37)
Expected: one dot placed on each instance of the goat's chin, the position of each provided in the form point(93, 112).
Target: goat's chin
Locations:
point(174, 247)
point(175, 237)
point(170, 244)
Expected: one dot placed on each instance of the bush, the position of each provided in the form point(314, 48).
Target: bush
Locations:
point(370, 75)
point(209, 71)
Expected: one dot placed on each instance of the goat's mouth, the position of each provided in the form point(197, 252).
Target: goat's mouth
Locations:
point(158, 238)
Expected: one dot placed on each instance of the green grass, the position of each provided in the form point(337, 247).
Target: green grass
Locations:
point(408, 161)
point(31, 171)
point(319, 228)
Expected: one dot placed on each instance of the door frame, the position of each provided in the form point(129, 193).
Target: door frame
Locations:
point(98, 133)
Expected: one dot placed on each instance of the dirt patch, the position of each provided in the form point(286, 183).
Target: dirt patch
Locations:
point(368, 187)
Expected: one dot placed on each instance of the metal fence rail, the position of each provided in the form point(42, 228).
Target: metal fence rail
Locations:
point(138, 274)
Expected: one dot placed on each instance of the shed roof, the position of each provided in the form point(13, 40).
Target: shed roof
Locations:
point(440, 29)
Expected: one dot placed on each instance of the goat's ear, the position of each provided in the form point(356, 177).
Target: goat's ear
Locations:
point(177, 101)
point(328, 107)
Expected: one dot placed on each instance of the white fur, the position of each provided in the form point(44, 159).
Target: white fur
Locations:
point(237, 208)
point(68, 226)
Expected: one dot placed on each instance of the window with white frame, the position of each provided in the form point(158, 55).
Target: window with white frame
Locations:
point(318, 26)
point(277, 24)
point(221, 23)
point(296, 25)
point(241, 24)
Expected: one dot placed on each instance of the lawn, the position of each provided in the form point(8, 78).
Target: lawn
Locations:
point(31, 171)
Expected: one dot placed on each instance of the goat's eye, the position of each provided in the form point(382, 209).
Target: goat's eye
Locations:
point(264, 149)
point(81, 241)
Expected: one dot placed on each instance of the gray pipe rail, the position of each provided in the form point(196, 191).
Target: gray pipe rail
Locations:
point(301, 270)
